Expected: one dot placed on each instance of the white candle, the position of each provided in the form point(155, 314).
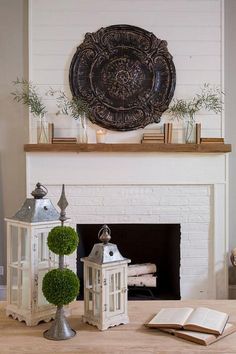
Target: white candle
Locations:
point(100, 136)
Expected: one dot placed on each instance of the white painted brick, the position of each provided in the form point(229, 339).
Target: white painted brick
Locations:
point(199, 218)
point(174, 201)
point(198, 200)
point(192, 262)
point(192, 252)
point(198, 235)
point(200, 270)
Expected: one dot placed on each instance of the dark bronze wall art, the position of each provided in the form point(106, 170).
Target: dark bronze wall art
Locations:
point(125, 74)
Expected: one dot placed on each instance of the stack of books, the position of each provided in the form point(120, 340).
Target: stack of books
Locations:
point(212, 140)
point(64, 140)
point(201, 325)
point(153, 138)
point(159, 137)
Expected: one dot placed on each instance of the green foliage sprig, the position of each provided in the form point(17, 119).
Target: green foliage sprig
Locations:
point(63, 240)
point(60, 286)
point(209, 98)
point(74, 106)
point(27, 94)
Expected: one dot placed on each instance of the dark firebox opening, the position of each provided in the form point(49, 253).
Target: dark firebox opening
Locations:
point(142, 243)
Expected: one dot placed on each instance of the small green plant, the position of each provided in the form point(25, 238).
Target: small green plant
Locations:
point(209, 98)
point(63, 240)
point(74, 106)
point(60, 286)
point(27, 94)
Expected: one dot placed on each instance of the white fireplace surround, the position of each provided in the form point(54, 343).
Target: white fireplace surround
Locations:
point(185, 188)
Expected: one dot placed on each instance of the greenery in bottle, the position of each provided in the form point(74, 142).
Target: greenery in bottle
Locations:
point(73, 106)
point(209, 98)
point(27, 94)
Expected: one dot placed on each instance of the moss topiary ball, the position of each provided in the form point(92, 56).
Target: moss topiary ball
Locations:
point(60, 286)
point(63, 240)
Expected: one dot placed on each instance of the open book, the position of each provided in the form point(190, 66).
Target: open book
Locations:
point(200, 338)
point(201, 319)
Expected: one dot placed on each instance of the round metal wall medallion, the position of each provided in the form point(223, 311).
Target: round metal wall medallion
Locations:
point(125, 74)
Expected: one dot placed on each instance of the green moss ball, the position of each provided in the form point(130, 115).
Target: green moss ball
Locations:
point(60, 286)
point(63, 240)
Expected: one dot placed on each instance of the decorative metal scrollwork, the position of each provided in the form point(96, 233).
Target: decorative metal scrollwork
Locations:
point(125, 74)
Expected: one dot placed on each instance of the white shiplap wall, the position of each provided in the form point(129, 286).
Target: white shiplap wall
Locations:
point(192, 28)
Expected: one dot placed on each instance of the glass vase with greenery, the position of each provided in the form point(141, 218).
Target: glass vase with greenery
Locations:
point(209, 98)
point(27, 94)
point(75, 107)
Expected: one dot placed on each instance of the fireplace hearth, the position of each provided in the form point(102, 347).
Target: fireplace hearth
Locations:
point(142, 243)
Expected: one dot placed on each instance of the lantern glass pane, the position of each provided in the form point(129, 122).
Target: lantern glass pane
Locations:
point(13, 286)
point(41, 299)
point(24, 287)
point(118, 282)
point(24, 246)
point(90, 302)
point(96, 304)
point(53, 260)
point(118, 306)
point(97, 283)
point(111, 283)
point(43, 252)
point(111, 303)
point(14, 244)
point(90, 277)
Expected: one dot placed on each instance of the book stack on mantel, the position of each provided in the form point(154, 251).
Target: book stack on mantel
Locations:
point(64, 140)
point(143, 274)
point(212, 140)
point(201, 325)
point(159, 137)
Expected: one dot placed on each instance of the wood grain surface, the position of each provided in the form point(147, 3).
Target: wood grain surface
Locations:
point(193, 148)
point(17, 338)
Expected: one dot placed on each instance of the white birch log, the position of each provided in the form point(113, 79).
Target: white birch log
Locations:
point(143, 280)
point(139, 269)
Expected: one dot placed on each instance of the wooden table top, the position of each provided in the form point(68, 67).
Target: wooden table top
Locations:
point(17, 338)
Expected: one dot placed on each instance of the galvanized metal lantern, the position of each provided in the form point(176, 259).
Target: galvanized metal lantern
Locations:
point(105, 284)
point(28, 258)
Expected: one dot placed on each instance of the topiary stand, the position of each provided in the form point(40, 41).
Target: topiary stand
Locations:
point(60, 286)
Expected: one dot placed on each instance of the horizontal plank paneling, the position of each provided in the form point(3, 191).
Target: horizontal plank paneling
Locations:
point(182, 62)
point(59, 32)
point(116, 5)
point(191, 28)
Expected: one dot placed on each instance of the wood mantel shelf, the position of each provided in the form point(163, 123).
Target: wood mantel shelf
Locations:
point(171, 148)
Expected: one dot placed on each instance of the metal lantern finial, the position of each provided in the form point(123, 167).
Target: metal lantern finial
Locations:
point(63, 203)
point(40, 191)
point(104, 235)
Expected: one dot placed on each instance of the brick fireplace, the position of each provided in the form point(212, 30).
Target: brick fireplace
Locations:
point(189, 189)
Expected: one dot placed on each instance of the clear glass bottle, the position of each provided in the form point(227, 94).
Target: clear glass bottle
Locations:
point(190, 130)
point(42, 130)
point(82, 136)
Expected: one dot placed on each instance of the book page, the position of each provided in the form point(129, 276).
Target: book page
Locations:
point(207, 318)
point(170, 316)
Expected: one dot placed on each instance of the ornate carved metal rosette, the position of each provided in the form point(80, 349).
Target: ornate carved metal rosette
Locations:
point(126, 75)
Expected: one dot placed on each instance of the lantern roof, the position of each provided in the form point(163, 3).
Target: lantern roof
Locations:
point(37, 209)
point(105, 252)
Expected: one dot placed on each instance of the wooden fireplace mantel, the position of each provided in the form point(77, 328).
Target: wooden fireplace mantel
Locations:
point(170, 148)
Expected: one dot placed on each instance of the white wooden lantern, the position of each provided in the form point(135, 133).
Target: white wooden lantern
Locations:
point(105, 284)
point(28, 258)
